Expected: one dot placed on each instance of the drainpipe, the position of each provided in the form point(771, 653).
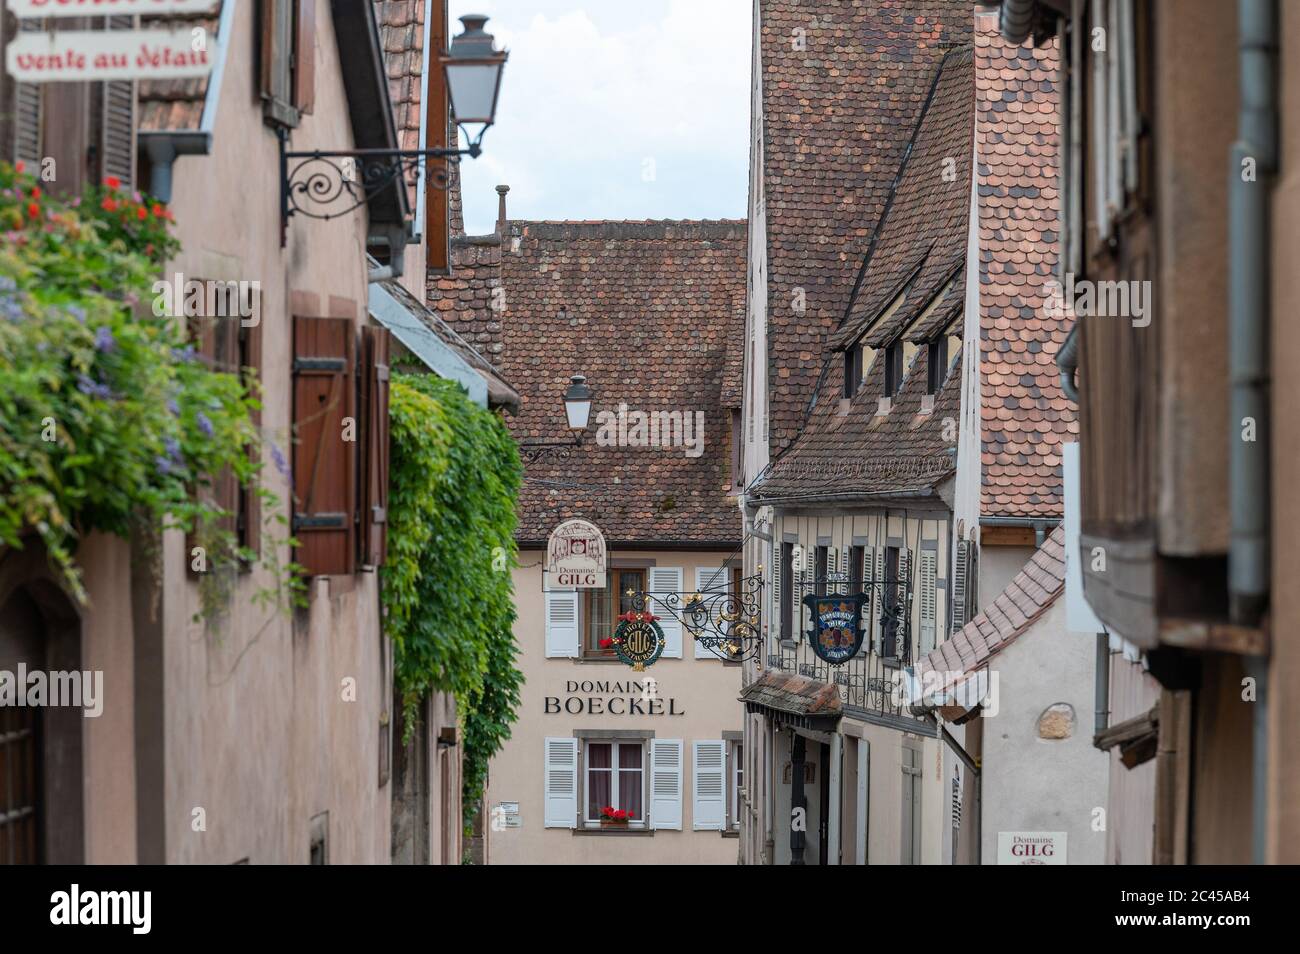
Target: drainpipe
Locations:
point(1248, 316)
point(1016, 20)
point(1102, 684)
point(1067, 360)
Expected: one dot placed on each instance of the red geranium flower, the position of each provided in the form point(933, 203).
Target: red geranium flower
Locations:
point(33, 209)
point(113, 182)
point(36, 192)
point(142, 213)
point(606, 643)
point(157, 209)
point(108, 205)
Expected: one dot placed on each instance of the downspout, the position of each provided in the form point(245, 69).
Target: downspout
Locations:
point(1067, 360)
point(1101, 692)
point(1248, 316)
point(1016, 20)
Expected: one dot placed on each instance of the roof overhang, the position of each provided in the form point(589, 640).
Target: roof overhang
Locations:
point(795, 701)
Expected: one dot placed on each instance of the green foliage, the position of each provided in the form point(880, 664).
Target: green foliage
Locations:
point(447, 589)
point(107, 419)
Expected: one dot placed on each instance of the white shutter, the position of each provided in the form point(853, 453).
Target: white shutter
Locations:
point(561, 784)
point(957, 598)
point(709, 804)
point(774, 595)
point(875, 572)
point(709, 578)
point(561, 623)
point(926, 597)
point(666, 783)
point(665, 580)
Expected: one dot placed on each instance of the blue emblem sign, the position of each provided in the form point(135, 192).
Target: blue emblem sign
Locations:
point(837, 631)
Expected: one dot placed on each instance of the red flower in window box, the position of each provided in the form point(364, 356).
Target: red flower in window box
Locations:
point(606, 643)
point(611, 817)
point(113, 182)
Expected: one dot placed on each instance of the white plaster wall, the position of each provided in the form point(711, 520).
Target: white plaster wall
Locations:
point(1035, 784)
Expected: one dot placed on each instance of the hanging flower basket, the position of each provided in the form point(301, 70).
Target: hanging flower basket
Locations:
point(611, 817)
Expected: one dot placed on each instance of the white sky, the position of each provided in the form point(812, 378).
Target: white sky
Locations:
point(615, 109)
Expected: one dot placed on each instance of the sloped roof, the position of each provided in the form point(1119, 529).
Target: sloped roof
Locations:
point(842, 83)
point(1026, 417)
point(401, 35)
point(646, 310)
point(176, 105)
point(1025, 599)
point(794, 695)
point(917, 254)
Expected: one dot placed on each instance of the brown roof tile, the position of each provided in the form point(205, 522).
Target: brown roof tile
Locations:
point(176, 105)
point(842, 83)
point(1012, 612)
point(1026, 417)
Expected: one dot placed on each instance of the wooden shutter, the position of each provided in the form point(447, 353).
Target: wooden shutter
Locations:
point(115, 133)
point(664, 580)
point(911, 822)
point(926, 579)
point(375, 347)
point(713, 578)
point(960, 580)
point(304, 56)
point(324, 464)
point(709, 791)
point(216, 342)
point(774, 608)
point(28, 104)
point(561, 623)
point(560, 785)
point(666, 784)
point(276, 79)
point(905, 639)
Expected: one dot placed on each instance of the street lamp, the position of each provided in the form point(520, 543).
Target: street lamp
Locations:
point(473, 69)
point(577, 411)
point(328, 183)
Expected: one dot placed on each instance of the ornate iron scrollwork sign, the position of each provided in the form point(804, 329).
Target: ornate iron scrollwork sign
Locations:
point(725, 620)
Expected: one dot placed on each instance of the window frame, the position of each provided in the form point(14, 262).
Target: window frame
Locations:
point(585, 809)
point(614, 589)
point(786, 596)
point(893, 369)
point(936, 359)
point(735, 783)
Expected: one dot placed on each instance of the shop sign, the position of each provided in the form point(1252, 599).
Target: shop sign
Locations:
point(65, 56)
point(576, 557)
point(837, 626)
point(1031, 847)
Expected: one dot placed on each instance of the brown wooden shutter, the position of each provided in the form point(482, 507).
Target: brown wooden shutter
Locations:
point(115, 129)
point(22, 139)
point(276, 70)
point(304, 56)
point(374, 501)
point(324, 464)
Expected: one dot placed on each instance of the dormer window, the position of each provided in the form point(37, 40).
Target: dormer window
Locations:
point(936, 362)
point(852, 370)
point(894, 369)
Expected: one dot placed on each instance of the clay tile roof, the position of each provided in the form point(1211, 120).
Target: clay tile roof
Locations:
point(918, 252)
point(796, 695)
point(733, 371)
point(401, 33)
point(1025, 599)
point(1026, 417)
point(842, 83)
point(648, 312)
point(176, 105)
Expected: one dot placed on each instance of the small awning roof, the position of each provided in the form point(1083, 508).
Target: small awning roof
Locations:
point(796, 700)
point(437, 345)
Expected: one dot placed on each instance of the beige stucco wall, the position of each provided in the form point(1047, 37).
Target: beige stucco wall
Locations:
point(258, 733)
point(704, 691)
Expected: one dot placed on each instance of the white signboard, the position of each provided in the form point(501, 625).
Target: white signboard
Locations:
point(110, 55)
point(1031, 847)
point(103, 8)
point(575, 557)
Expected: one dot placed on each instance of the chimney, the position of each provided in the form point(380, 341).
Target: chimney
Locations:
point(501, 209)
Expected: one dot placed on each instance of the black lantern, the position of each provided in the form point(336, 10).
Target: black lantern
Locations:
point(473, 68)
point(577, 404)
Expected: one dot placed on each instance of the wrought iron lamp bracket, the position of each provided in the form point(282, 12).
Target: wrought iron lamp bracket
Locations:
point(725, 620)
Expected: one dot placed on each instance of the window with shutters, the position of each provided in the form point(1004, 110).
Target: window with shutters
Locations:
point(614, 777)
point(325, 445)
point(735, 783)
point(787, 591)
point(599, 617)
point(288, 60)
point(224, 344)
point(925, 593)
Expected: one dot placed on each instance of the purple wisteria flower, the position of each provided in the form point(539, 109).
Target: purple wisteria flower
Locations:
point(281, 464)
point(104, 340)
point(173, 407)
point(93, 388)
point(163, 465)
point(205, 425)
point(76, 311)
point(173, 448)
point(185, 354)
